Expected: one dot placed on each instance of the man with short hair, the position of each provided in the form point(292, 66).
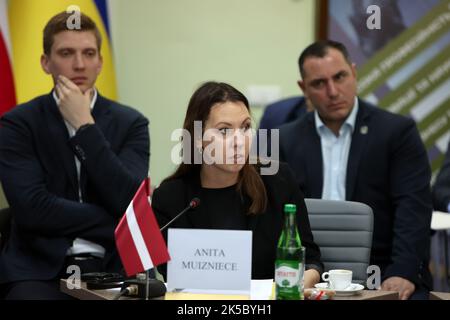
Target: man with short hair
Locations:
point(70, 164)
point(350, 150)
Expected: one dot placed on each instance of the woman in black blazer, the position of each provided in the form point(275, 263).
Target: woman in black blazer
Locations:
point(234, 194)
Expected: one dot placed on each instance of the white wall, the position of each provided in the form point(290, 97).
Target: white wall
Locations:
point(165, 48)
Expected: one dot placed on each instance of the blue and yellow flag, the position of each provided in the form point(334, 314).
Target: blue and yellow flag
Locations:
point(27, 19)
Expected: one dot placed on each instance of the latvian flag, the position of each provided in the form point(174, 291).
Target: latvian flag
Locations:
point(139, 241)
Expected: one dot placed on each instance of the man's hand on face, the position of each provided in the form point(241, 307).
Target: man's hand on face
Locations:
point(74, 105)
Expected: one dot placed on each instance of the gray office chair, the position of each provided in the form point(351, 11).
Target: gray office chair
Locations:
point(343, 231)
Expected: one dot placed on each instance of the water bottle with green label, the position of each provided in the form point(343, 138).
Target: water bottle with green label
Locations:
point(289, 264)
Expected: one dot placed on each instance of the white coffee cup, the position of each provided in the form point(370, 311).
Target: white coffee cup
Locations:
point(338, 279)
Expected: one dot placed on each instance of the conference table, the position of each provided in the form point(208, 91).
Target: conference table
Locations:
point(439, 295)
point(440, 222)
point(85, 294)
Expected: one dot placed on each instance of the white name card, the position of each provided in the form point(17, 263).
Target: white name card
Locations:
point(210, 261)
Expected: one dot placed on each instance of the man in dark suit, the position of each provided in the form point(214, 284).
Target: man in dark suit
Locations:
point(281, 112)
point(350, 150)
point(441, 189)
point(70, 164)
point(277, 114)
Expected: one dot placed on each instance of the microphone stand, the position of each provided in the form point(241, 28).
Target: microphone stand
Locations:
point(176, 217)
point(147, 284)
point(193, 204)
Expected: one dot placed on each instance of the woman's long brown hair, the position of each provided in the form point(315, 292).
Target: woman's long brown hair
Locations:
point(199, 108)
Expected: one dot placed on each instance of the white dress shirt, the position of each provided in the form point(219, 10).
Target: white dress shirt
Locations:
point(335, 150)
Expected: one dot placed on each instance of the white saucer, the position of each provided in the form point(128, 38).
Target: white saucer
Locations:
point(352, 289)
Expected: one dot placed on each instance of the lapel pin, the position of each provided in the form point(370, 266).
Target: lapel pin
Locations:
point(364, 130)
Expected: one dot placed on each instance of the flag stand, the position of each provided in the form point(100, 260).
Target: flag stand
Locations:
point(147, 284)
point(141, 261)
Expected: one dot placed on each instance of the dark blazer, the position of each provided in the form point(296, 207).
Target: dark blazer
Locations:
point(388, 170)
point(275, 115)
point(38, 174)
point(441, 189)
point(281, 112)
point(174, 195)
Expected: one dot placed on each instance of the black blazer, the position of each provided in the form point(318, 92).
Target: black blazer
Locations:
point(388, 170)
point(441, 189)
point(174, 195)
point(281, 112)
point(38, 174)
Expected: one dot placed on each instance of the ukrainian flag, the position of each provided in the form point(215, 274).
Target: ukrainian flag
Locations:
point(27, 19)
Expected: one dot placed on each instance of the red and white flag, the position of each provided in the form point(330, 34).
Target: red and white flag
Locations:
point(139, 241)
point(7, 91)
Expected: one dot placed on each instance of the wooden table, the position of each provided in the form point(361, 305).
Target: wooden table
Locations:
point(85, 294)
point(372, 295)
point(439, 295)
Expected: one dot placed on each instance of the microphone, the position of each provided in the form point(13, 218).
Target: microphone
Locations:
point(194, 203)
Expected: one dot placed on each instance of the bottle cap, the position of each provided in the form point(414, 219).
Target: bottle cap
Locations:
point(290, 208)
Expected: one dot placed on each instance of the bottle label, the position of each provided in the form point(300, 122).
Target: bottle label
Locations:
point(287, 274)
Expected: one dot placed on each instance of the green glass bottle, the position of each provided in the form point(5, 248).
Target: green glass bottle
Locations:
point(289, 264)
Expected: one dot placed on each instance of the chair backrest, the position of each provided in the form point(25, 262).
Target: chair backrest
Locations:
point(343, 231)
point(5, 225)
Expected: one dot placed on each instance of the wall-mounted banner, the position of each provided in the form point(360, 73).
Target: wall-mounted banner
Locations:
point(402, 50)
